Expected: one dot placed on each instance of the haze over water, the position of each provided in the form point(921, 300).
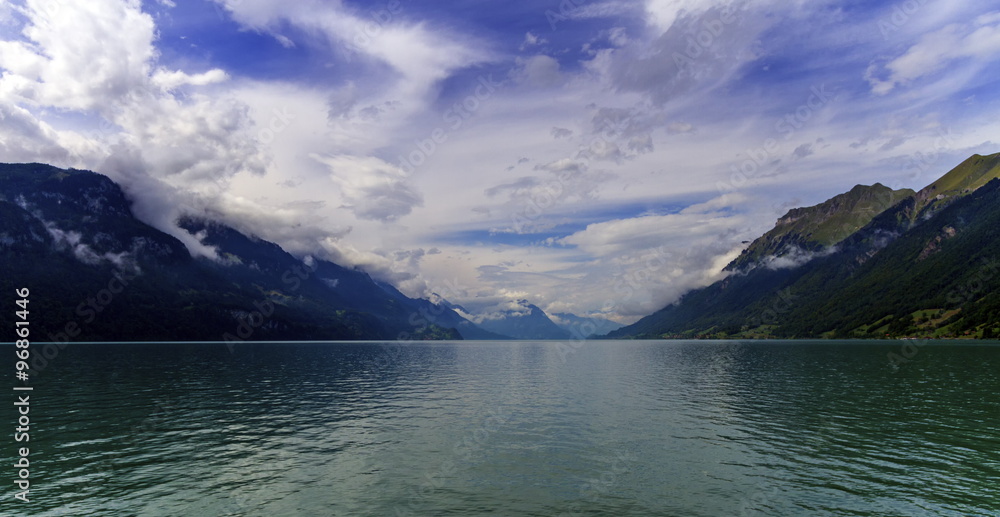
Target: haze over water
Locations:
point(637, 428)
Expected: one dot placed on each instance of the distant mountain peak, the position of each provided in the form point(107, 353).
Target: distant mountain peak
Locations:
point(529, 323)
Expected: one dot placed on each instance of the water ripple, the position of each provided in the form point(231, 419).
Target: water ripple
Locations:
point(520, 429)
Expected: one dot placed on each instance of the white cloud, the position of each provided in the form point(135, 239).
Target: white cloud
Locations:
point(539, 71)
point(650, 261)
point(978, 42)
point(532, 40)
point(25, 138)
point(172, 79)
point(662, 14)
point(161, 147)
point(107, 58)
point(420, 55)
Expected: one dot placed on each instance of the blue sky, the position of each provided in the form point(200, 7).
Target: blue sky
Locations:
point(579, 154)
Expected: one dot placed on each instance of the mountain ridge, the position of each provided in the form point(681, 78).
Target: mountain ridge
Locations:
point(812, 229)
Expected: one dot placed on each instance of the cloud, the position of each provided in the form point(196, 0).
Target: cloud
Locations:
point(793, 257)
point(532, 40)
point(618, 36)
point(561, 132)
point(677, 62)
point(677, 128)
point(663, 14)
point(372, 189)
point(652, 260)
point(539, 71)
point(419, 55)
point(25, 138)
point(150, 140)
point(171, 80)
point(803, 151)
point(63, 240)
point(978, 43)
point(109, 57)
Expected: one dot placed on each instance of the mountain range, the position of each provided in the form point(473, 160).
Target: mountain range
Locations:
point(97, 273)
point(870, 263)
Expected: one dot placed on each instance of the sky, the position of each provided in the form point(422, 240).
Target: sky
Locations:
point(599, 157)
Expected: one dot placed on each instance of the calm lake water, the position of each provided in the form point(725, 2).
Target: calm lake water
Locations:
point(637, 428)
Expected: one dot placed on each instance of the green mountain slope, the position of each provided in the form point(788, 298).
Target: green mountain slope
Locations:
point(916, 269)
point(944, 272)
point(968, 176)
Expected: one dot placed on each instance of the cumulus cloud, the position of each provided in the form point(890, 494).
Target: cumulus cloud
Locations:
point(173, 79)
point(109, 58)
point(619, 134)
point(25, 138)
point(803, 151)
point(539, 71)
point(151, 140)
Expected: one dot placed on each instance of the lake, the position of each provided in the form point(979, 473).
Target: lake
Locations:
point(616, 428)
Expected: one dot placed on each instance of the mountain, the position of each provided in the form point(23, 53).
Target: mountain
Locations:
point(803, 232)
point(925, 266)
point(971, 174)
point(527, 321)
point(584, 327)
point(97, 273)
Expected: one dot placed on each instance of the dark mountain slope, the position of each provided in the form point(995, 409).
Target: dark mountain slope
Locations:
point(97, 273)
